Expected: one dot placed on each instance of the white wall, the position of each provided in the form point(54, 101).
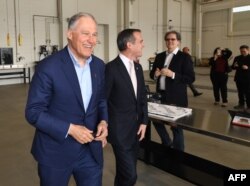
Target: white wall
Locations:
point(144, 15)
point(181, 12)
point(21, 21)
point(152, 16)
point(215, 33)
point(24, 25)
point(216, 23)
point(103, 14)
point(37, 21)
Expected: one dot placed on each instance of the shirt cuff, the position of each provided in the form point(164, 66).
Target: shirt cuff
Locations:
point(67, 132)
point(173, 75)
point(104, 121)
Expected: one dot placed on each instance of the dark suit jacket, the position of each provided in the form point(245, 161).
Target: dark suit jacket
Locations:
point(240, 74)
point(176, 89)
point(126, 112)
point(55, 101)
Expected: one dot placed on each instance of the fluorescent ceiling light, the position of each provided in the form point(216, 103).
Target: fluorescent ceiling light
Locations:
point(241, 9)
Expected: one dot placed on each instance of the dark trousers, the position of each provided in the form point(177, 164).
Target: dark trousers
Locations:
point(178, 136)
point(193, 89)
point(125, 165)
point(219, 81)
point(243, 92)
point(85, 170)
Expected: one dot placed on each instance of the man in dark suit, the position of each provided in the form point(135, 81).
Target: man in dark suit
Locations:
point(127, 105)
point(173, 71)
point(68, 108)
point(191, 86)
point(242, 77)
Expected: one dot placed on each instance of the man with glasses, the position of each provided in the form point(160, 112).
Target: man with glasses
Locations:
point(173, 71)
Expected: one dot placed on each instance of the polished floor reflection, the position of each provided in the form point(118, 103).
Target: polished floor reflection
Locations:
point(19, 169)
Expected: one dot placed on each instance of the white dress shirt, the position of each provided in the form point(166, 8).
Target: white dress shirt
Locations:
point(169, 57)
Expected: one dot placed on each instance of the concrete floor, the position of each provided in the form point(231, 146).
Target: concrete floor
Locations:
point(17, 167)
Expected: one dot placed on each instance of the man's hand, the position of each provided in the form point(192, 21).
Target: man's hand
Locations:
point(244, 67)
point(167, 72)
point(215, 57)
point(104, 142)
point(80, 133)
point(157, 72)
point(236, 64)
point(141, 131)
point(102, 132)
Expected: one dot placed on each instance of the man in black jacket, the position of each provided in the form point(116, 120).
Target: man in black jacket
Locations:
point(191, 86)
point(242, 77)
point(173, 71)
point(127, 105)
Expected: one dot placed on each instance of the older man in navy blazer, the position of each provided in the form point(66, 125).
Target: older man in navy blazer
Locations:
point(67, 106)
point(173, 71)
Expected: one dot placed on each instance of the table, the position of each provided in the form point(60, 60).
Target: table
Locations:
point(9, 72)
point(214, 124)
point(185, 165)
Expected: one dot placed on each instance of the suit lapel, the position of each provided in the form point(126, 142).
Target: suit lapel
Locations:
point(124, 73)
point(175, 58)
point(70, 73)
point(137, 72)
point(163, 60)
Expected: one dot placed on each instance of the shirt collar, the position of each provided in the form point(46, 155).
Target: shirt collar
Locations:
point(174, 52)
point(124, 58)
point(74, 59)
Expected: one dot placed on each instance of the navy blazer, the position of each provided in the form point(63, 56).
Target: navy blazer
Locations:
point(55, 101)
point(126, 112)
point(176, 89)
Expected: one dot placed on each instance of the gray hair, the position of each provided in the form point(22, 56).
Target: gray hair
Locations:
point(77, 16)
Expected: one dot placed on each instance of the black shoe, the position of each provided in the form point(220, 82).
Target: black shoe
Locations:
point(247, 110)
point(216, 103)
point(239, 107)
point(198, 94)
point(170, 144)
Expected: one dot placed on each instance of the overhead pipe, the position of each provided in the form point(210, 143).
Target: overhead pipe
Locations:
point(60, 20)
point(15, 26)
point(157, 26)
point(20, 37)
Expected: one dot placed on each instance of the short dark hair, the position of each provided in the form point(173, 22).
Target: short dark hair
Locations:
point(244, 47)
point(77, 16)
point(178, 35)
point(126, 36)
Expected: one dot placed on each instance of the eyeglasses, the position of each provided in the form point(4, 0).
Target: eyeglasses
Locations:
point(170, 39)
